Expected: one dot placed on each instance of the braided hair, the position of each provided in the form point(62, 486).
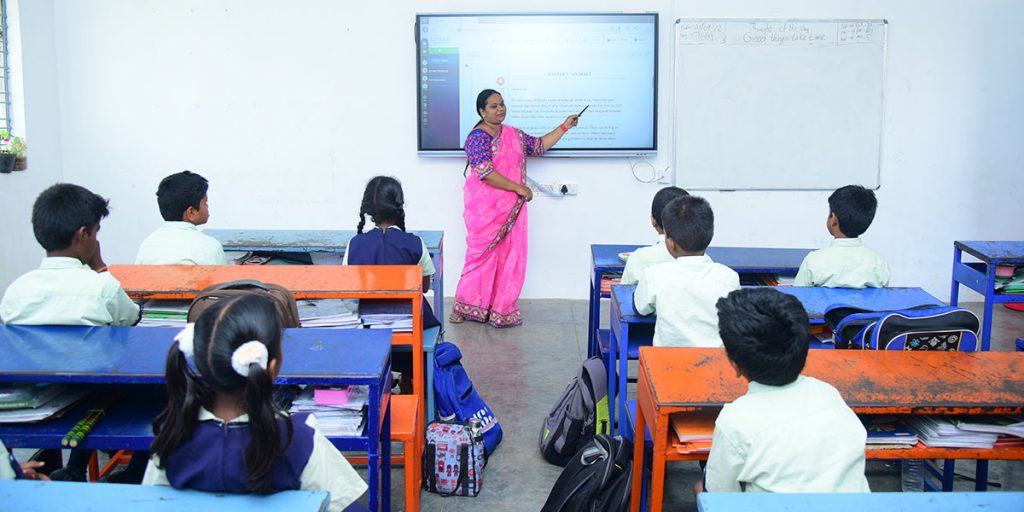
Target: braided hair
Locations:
point(383, 201)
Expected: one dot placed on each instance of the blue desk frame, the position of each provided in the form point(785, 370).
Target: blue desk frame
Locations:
point(981, 277)
point(744, 260)
point(887, 501)
point(330, 241)
point(137, 355)
point(631, 330)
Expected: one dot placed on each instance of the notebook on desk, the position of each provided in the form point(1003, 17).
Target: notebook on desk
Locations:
point(693, 431)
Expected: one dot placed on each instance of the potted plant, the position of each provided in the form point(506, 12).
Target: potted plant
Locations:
point(10, 149)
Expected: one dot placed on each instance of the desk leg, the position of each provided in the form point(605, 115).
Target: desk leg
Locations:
point(636, 494)
point(614, 427)
point(981, 475)
point(439, 288)
point(954, 291)
point(385, 462)
point(990, 297)
point(595, 308)
point(623, 380)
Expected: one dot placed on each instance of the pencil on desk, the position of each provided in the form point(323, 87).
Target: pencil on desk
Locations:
point(77, 434)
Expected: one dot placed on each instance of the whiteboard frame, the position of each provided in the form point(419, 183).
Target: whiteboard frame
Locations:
point(675, 103)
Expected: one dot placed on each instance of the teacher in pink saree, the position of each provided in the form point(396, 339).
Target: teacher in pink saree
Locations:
point(495, 197)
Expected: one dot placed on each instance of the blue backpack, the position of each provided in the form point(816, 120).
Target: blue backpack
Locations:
point(455, 397)
point(947, 328)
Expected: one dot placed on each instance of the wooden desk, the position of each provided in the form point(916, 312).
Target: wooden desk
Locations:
point(871, 382)
point(981, 277)
point(604, 258)
point(328, 241)
point(631, 330)
point(79, 496)
point(882, 501)
point(136, 356)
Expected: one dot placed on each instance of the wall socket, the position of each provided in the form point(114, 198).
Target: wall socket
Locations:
point(557, 188)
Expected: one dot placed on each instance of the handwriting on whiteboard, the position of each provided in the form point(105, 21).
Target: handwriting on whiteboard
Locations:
point(778, 33)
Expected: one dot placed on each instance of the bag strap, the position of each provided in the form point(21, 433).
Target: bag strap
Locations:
point(239, 284)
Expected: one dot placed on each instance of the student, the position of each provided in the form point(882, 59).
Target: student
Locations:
point(789, 432)
point(183, 205)
point(72, 285)
point(684, 291)
point(221, 431)
point(389, 244)
point(653, 254)
point(846, 263)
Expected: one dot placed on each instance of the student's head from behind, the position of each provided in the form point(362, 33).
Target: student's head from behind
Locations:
point(235, 346)
point(851, 210)
point(765, 333)
point(66, 220)
point(689, 225)
point(383, 202)
point(182, 198)
point(661, 199)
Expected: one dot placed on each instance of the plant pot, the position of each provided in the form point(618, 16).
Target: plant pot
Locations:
point(7, 162)
point(20, 163)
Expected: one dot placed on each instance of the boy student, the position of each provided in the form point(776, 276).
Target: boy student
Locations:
point(789, 432)
point(183, 205)
point(846, 263)
point(684, 291)
point(72, 285)
point(653, 254)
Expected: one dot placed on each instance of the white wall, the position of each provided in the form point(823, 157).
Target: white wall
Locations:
point(289, 108)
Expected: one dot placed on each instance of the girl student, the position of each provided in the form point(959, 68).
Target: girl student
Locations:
point(389, 244)
point(221, 431)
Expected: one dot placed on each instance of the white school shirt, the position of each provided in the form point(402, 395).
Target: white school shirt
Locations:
point(643, 258)
point(846, 263)
point(6, 471)
point(180, 243)
point(65, 291)
point(425, 262)
point(326, 470)
point(801, 437)
point(683, 292)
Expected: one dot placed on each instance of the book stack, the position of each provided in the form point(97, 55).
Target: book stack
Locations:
point(330, 313)
point(386, 314)
point(888, 432)
point(338, 411)
point(1010, 429)
point(943, 432)
point(608, 279)
point(164, 313)
point(1009, 279)
point(693, 431)
point(29, 403)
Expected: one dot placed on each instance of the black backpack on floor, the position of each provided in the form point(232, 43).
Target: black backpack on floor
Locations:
point(597, 479)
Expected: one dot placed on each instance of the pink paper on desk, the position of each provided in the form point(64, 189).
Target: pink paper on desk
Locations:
point(330, 396)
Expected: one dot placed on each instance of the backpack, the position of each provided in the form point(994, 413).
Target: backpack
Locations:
point(283, 299)
point(453, 459)
point(580, 413)
point(947, 328)
point(598, 478)
point(455, 397)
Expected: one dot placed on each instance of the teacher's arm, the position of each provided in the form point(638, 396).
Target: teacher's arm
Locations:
point(555, 135)
point(478, 154)
point(498, 181)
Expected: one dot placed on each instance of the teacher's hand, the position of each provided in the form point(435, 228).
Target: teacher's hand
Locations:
point(525, 193)
point(571, 121)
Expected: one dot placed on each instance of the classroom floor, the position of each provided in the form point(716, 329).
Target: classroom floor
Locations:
point(520, 372)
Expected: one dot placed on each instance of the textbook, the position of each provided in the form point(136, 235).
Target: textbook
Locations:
point(940, 431)
point(329, 313)
point(52, 408)
point(1009, 425)
point(339, 419)
point(386, 314)
point(888, 430)
point(694, 431)
point(28, 396)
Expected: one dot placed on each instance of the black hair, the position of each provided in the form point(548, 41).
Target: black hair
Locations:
point(662, 198)
point(219, 331)
point(179, 191)
point(383, 201)
point(689, 222)
point(854, 207)
point(63, 208)
point(766, 333)
point(481, 103)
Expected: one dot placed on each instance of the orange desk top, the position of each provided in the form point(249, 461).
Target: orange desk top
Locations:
point(874, 382)
point(305, 281)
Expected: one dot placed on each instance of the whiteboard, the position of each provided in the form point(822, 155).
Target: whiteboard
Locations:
point(778, 104)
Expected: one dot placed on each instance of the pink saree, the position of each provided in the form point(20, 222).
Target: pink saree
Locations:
point(495, 267)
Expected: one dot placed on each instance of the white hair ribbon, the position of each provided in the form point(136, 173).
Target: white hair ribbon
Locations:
point(186, 340)
point(248, 353)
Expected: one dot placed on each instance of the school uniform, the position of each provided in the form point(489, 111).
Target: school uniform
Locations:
point(683, 292)
point(212, 460)
point(180, 243)
point(65, 291)
point(392, 247)
point(800, 437)
point(6, 470)
point(846, 263)
point(643, 258)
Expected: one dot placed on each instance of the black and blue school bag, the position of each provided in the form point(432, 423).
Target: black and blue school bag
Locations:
point(455, 397)
point(929, 327)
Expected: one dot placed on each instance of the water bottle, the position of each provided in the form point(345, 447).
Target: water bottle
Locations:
point(912, 475)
